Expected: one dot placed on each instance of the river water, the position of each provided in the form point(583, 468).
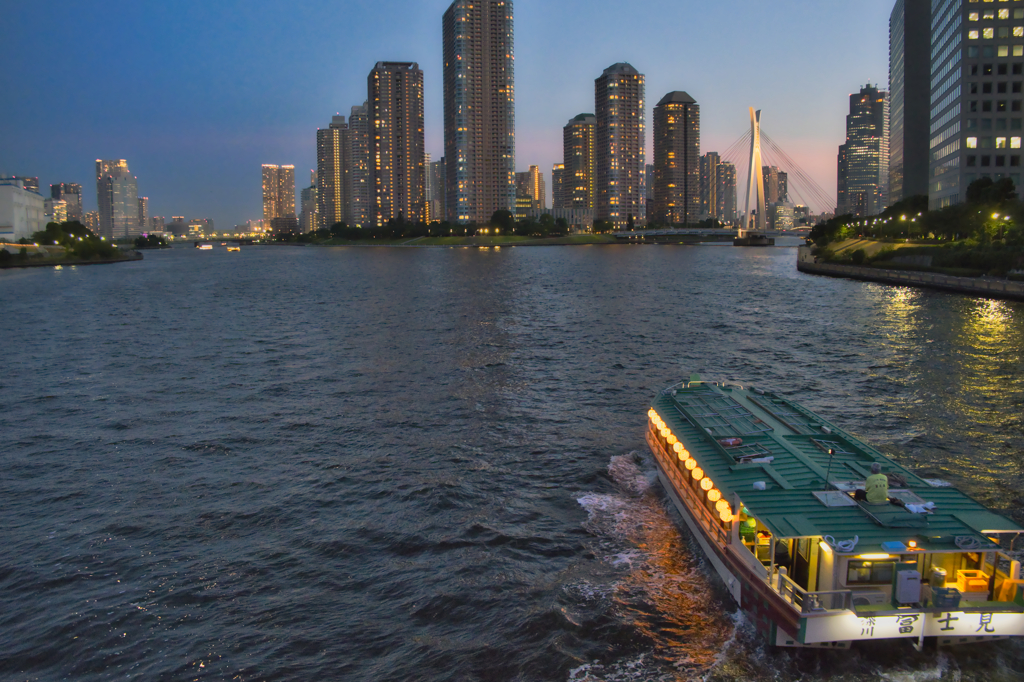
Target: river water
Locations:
point(428, 464)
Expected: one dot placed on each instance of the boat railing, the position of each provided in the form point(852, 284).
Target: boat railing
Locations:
point(812, 602)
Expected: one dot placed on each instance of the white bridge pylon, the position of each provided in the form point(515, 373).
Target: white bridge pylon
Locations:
point(755, 178)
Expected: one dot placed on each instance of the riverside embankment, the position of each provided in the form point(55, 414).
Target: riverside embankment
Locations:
point(976, 286)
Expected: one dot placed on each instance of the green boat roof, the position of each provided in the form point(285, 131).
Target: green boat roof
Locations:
point(787, 447)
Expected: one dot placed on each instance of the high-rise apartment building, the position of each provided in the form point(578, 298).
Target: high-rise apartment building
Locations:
point(531, 184)
point(976, 117)
point(725, 194)
point(143, 212)
point(479, 109)
point(619, 145)
point(331, 163)
point(117, 196)
point(71, 193)
point(863, 162)
point(279, 194)
point(776, 185)
point(677, 159)
point(558, 184)
point(309, 210)
point(429, 212)
point(909, 93)
point(358, 171)
point(438, 193)
point(709, 164)
point(396, 112)
point(580, 159)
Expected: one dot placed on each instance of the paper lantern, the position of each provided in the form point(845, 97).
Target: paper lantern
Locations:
point(697, 474)
point(706, 484)
point(690, 464)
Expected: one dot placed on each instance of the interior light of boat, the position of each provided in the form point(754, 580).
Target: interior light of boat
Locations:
point(825, 547)
point(715, 495)
point(721, 506)
point(691, 464)
point(873, 557)
point(707, 484)
point(912, 544)
point(697, 473)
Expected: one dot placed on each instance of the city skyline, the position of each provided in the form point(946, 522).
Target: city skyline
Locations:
point(199, 84)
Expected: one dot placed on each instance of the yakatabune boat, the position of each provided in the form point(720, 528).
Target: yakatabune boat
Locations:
point(767, 488)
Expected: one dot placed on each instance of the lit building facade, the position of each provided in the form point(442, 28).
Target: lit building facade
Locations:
point(143, 213)
point(976, 117)
point(619, 144)
point(396, 112)
point(909, 97)
point(709, 165)
point(117, 197)
point(55, 210)
point(358, 168)
point(863, 162)
point(725, 194)
point(479, 109)
point(558, 185)
point(437, 191)
point(71, 193)
point(580, 160)
point(278, 194)
point(677, 159)
point(530, 185)
point(331, 163)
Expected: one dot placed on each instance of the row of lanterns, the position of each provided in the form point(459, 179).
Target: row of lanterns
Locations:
point(706, 484)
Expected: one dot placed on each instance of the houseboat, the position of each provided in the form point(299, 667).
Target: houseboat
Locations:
point(770, 492)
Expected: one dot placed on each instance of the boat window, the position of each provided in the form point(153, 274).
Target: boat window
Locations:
point(869, 572)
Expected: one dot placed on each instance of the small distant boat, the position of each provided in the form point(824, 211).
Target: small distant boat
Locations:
point(205, 247)
point(234, 248)
point(223, 243)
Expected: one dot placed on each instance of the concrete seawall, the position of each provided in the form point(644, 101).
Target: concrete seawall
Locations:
point(988, 288)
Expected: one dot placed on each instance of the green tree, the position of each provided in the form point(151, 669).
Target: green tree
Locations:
point(504, 220)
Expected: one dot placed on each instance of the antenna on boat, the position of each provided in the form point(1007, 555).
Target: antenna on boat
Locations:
point(828, 474)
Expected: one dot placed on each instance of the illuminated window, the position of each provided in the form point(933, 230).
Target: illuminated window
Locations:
point(1018, 31)
point(1000, 143)
point(1004, 14)
point(1018, 51)
point(988, 33)
point(973, 16)
point(1014, 143)
point(972, 35)
point(972, 143)
point(1004, 51)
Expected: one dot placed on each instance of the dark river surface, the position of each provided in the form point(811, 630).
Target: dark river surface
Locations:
point(428, 464)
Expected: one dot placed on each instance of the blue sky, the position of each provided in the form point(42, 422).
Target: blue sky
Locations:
point(197, 95)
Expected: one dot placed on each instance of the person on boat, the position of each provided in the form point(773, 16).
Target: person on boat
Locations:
point(876, 487)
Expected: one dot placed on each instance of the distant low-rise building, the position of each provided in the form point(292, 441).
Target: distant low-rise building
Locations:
point(21, 210)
